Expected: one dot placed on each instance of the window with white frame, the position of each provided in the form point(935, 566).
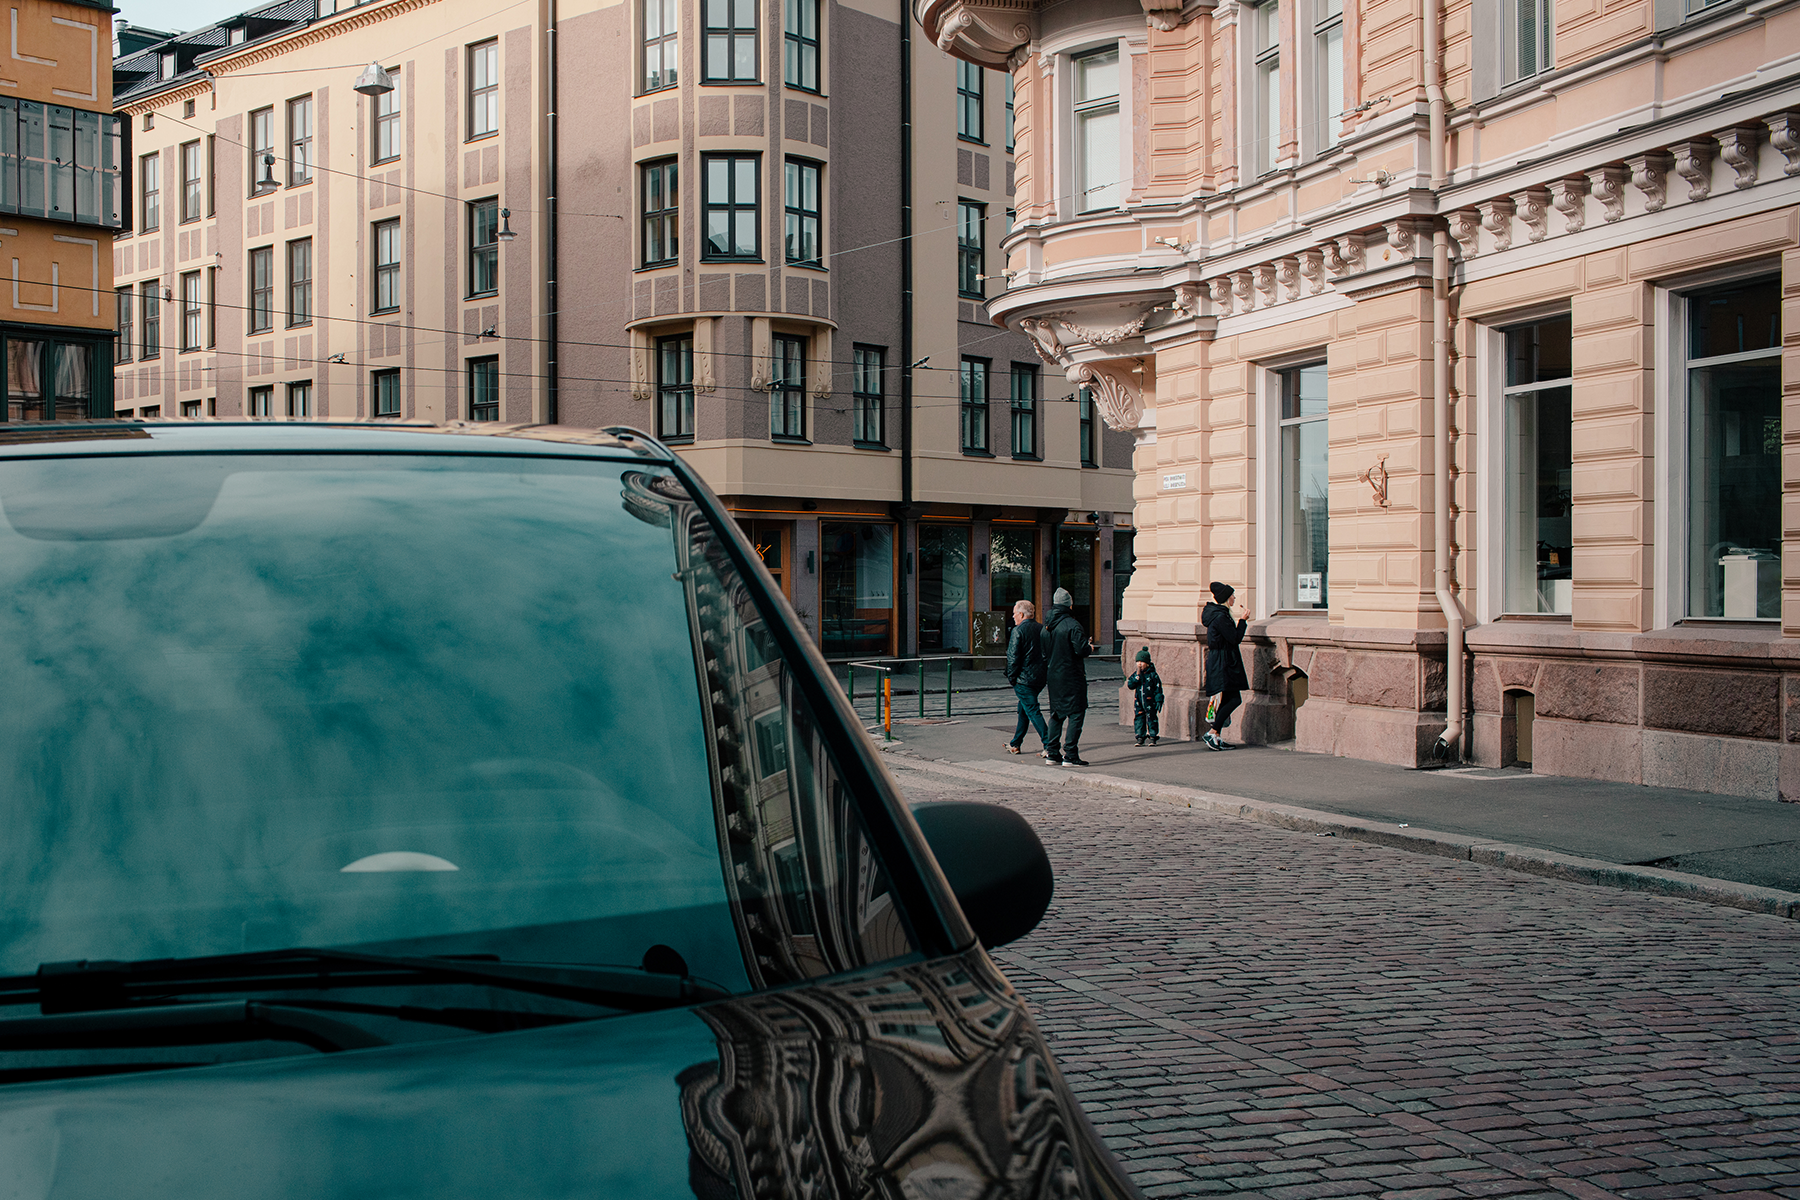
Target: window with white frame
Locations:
point(387, 126)
point(1305, 491)
point(1327, 101)
point(262, 150)
point(1538, 467)
point(300, 141)
point(1527, 33)
point(484, 89)
point(1265, 98)
point(1096, 130)
point(192, 183)
point(1729, 368)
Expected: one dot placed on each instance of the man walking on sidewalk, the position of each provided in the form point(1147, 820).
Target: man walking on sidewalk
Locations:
point(1025, 671)
point(1225, 618)
point(1065, 645)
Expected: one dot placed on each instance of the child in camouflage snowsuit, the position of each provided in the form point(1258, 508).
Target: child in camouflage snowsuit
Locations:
point(1148, 701)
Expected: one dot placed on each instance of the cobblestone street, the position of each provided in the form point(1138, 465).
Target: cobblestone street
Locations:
point(1249, 1010)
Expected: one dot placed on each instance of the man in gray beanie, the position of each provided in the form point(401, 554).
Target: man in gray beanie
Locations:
point(1065, 645)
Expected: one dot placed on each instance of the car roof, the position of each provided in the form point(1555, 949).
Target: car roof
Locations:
point(209, 435)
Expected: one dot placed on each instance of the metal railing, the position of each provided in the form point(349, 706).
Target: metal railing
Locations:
point(912, 683)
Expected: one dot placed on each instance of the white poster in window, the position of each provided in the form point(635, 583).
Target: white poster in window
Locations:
point(875, 566)
point(1310, 587)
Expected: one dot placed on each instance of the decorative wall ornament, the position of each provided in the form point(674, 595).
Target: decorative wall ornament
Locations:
point(1104, 337)
point(1240, 287)
point(1042, 332)
point(1650, 175)
point(1162, 15)
point(1401, 237)
point(1188, 297)
point(1117, 393)
point(1287, 274)
point(1569, 196)
point(1497, 219)
point(1532, 207)
point(1784, 135)
point(1221, 294)
point(1312, 269)
point(1608, 184)
point(1345, 255)
point(1265, 284)
point(1465, 227)
point(954, 24)
point(1693, 162)
point(1377, 479)
point(988, 31)
point(1737, 147)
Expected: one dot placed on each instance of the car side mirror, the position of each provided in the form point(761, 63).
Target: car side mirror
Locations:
point(993, 862)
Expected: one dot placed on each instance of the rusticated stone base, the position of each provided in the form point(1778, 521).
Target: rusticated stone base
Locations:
point(1405, 739)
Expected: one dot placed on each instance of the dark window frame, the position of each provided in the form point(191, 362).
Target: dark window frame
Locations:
point(193, 194)
point(1023, 411)
point(971, 251)
point(261, 401)
point(150, 318)
point(728, 35)
point(974, 434)
point(192, 312)
point(1084, 414)
point(675, 395)
point(483, 376)
point(795, 213)
point(384, 111)
point(262, 298)
point(660, 226)
point(386, 270)
point(300, 396)
point(299, 285)
point(300, 140)
point(484, 256)
point(799, 50)
point(150, 191)
point(659, 37)
point(868, 384)
point(378, 381)
point(483, 99)
point(124, 326)
point(731, 207)
point(971, 100)
point(787, 387)
point(262, 149)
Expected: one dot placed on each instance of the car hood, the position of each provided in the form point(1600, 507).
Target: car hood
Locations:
point(926, 1080)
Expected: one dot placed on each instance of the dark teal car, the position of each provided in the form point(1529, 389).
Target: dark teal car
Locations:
point(407, 812)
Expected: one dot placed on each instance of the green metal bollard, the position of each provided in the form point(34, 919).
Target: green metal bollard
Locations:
point(921, 689)
point(949, 671)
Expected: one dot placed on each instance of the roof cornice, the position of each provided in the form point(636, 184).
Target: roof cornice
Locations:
point(234, 58)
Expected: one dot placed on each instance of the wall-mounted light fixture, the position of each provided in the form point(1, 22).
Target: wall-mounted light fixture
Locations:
point(374, 81)
point(506, 233)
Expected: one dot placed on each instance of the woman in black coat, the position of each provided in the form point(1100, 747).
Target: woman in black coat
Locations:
point(1225, 619)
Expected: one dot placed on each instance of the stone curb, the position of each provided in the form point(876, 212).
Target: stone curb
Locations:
point(1510, 856)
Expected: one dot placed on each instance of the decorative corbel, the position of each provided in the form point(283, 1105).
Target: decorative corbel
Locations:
point(1465, 227)
point(1115, 388)
point(1345, 255)
point(1049, 347)
point(1532, 206)
point(1162, 15)
point(1650, 175)
point(1187, 299)
point(1377, 479)
point(1737, 147)
point(1221, 293)
point(1265, 284)
point(1497, 219)
point(1608, 184)
point(1784, 135)
point(1240, 287)
point(640, 369)
point(1312, 269)
point(1569, 197)
point(1287, 274)
point(1693, 162)
point(954, 24)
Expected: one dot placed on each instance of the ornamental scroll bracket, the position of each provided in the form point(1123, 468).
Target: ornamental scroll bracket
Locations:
point(1377, 479)
point(990, 33)
point(1117, 393)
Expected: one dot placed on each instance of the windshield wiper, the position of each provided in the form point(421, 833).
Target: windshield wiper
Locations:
point(89, 986)
point(184, 1025)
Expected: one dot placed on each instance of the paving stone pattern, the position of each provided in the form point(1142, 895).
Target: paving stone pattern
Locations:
point(1253, 1011)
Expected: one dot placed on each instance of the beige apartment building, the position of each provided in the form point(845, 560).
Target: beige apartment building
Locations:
point(1459, 336)
point(762, 229)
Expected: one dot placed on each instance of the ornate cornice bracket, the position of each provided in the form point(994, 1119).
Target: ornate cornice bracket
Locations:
point(1116, 390)
point(989, 32)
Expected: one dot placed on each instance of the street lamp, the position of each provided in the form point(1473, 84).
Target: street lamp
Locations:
point(506, 233)
point(374, 81)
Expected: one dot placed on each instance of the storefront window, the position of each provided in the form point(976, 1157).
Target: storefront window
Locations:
point(1734, 451)
point(1075, 571)
point(1539, 543)
point(856, 580)
point(66, 369)
point(1124, 562)
point(1012, 567)
point(943, 589)
point(1304, 490)
point(771, 539)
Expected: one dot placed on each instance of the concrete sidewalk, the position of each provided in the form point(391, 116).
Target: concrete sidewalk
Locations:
point(1729, 850)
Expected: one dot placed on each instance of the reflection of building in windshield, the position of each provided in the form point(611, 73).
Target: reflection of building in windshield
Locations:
point(808, 896)
point(926, 1081)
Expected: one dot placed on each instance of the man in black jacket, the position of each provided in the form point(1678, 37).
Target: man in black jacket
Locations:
point(1025, 671)
point(1225, 618)
point(1065, 645)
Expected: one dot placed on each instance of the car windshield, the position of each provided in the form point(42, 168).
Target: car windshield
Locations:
point(426, 705)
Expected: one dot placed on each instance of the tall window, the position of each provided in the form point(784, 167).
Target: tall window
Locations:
point(192, 190)
point(299, 399)
point(1097, 175)
point(662, 213)
point(800, 37)
point(150, 305)
point(262, 289)
point(971, 253)
point(675, 387)
point(1732, 368)
point(1009, 110)
point(300, 277)
point(484, 389)
point(300, 138)
point(212, 306)
point(385, 389)
point(261, 402)
point(1304, 489)
point(787, 390)
point(192, 311)
point(866, 396)
point(1265, 103)
point(262, 150)
point(1528, 33)
point(729, 55)
point(1024, 410)
point(660, 46)
point(1328, 73)
point(212, 174)
point(484, 89)
point(803, 213)
point(150, 179)
point(1538, 470)
point(387, 126)
point(1084, 425)
point(484, 247)
point(968, 102)
point(975, 406)
point(123, 350)
point(732, 228)
point(387, 266)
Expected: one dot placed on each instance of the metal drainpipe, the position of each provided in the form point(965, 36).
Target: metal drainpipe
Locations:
point(552, 398)
point(903, 593)
point(1450, 742)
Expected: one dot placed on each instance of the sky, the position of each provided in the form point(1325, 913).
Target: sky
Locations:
point(181, 15)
